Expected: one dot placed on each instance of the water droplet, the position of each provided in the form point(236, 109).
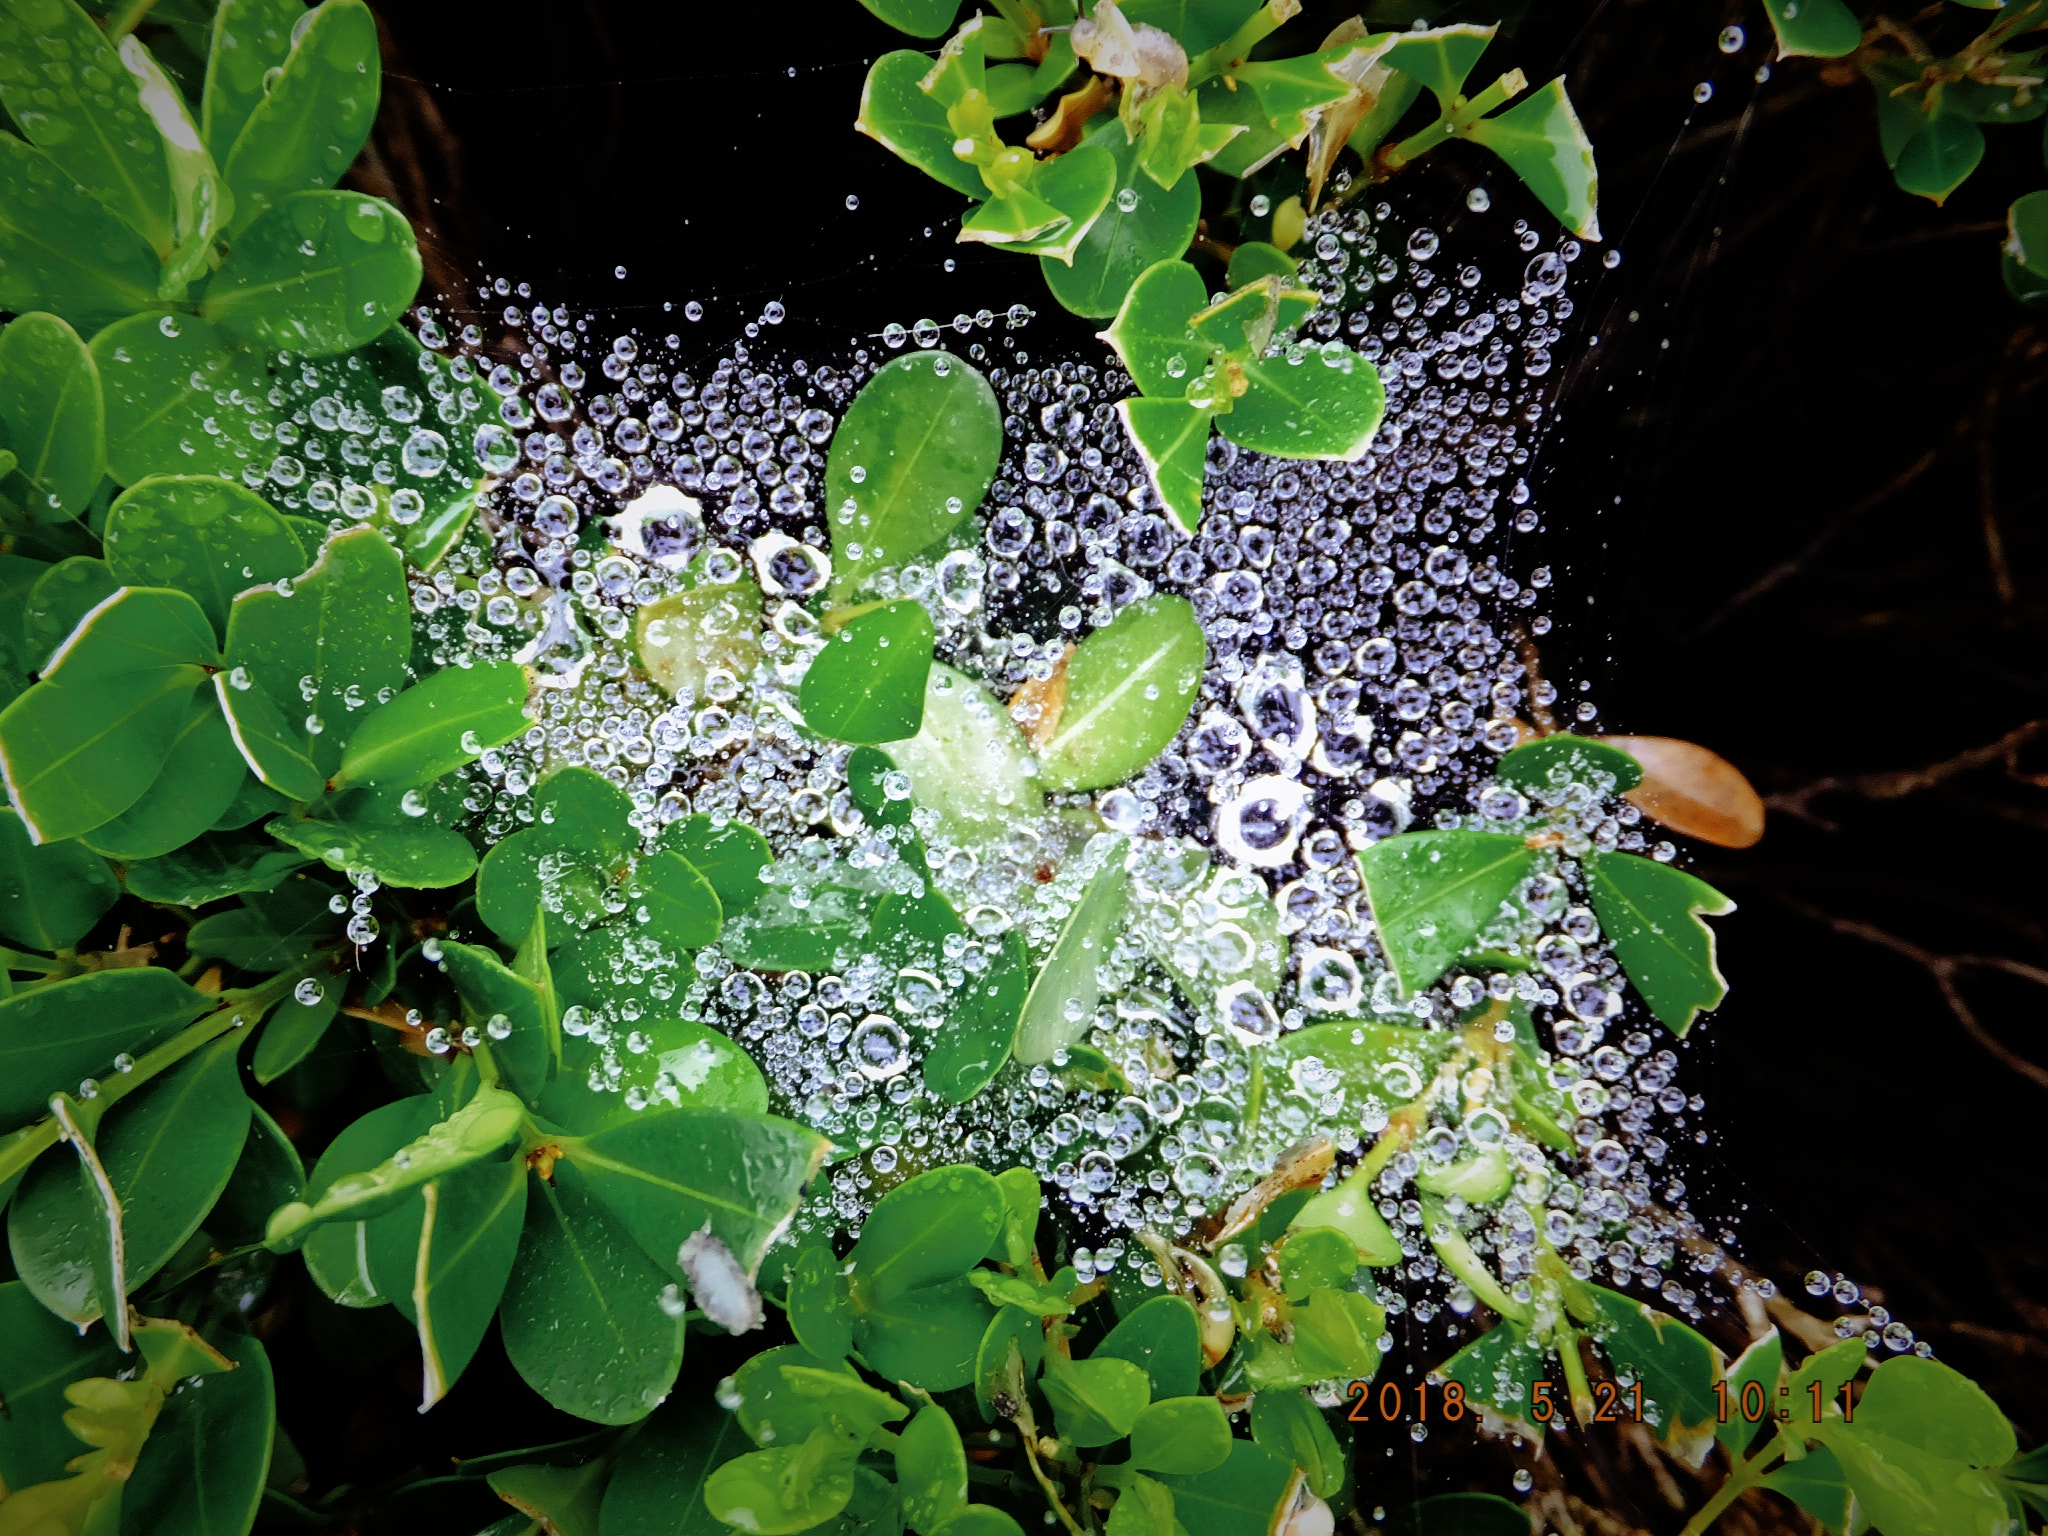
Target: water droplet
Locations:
point(124, 1063)
point(89, 1088)
point(309, 992)
point(1703, 92)
point(1479, 200)
point(498, 1026)
point(1731, 40)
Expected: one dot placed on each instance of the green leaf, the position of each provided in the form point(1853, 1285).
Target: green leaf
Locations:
point(1126, 240)
point(1186, 1435)
point(933, 1227)
point(1097, 1400)
point(1816, 1484)
point(169, 1149)
point(382, 842)
point(249, 39)
point(1817, 29)
point(1130, 686)
point(1564, 758)
point(1434, 894)
point(1048, 1298)
point(203, 1470)
point(868, 684)
point(461, 1256)
point(62, 595)
point(1676, 1366)
point(1935, 1408)
point(1336, 1334)
point(1247, 320)
point(306, 130)
point(1060, 1007)
point(1940, 157)
point(199, 781)
point(931, 1469)
point(1172, 439)
point(582, 1315)
point(50, 896)
point(44, 1355)
point(1350, 1209)
point(200, 202)
point(1498, 1371)
point(1441, 58)
point(267, 1174)
point(1763, 1363)
point(665, 1176)
point(338, 1253)
point(1022, 1199)
point(980, 1027)
point(290, 1034)
point(671, 901)
point(1143, 1507)
point(1050, 209)
point(164, 378)
point(1286, 1422)
point(1292, 91)
point(2026, 239)
point(920, 18)
point(1902, 1489)
point(925, 435)
point(1460, 1514)
point(214, 866)
point(269, 932)
point(51, 414)
point(1247, 1496)
point(731, 857)
point(1013, 1335)
point(657, 1484)
point(200, 535)
point(268, 743)
point(564, 1500)
point(788, 1489)
point(821, 1304)
point(100, 133)
point(1543, 143)
point(1651, 912)
point(928, 1335)
point(703, 1069)
point(786, 1392)
point(1315, 1258)
point(1163, 1337)
point(896, 113)
point(490, 990)
point(1151, 331)
point(1327, 405)
point(1254, 149)
point(968, 761)
point(362, 271)
point(437, 726)
point(53, 1035)
point(62, 250)
point(980, 1520)
point(1256, 259)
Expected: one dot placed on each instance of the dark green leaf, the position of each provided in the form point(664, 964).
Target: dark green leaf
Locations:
point(1818, 29)
point(821, 1304)
point(1125, 241)
point(217, 865)
point(1327, 405)
point(1256, 259)
point(267, 1175)
point(363, 270)
point(165, 377)
point(198, 781)
point(1246, 1496)
point(731, 857)
point(44, 1355)
point(583, 1319)
point(1677, 1367)
point(1543, 143)
point(1285, 1421)
point(338, 1253)
point(980, 1027)
point(1130, 686)
point(1022, 1199)
point(1172, 439)
point(437, 726)
point(1164, 1338)
point(657, 1486)
point(491, 991)
point(564, 1500)
point(868, 683)
point(270, 931)
point(249, 39)
point(1197, 25)
point(1940, 157)
point(896, 113)
point(49, 895)
point(306, 129)
point(685, 1065)
point(1009, 1354)
point(201, 1474)
point(1816, 1485)
point(65, 593)
point(290, 1034)
point(201, 535)
point(930, 1228)
point(1186, 1435)
point(51, 415)
point(931, 1469)
point(1151, 332)
point(61, 249)
point(924, 434)
point(1651, 912)
point(54, 1035)
point(169, 1150)
point(1435, 895)
point(928, 1336)
point(1061, 1003)
point(1565, 758)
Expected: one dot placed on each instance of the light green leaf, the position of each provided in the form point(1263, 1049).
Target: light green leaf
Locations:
point(2026, 237)
point(787, 1392)
point(968, 761)
point(138, 629)
point(1248, 1495)
point(1163, 1337)
point(868, 684)
point(169, 1149)
point(1935, 1408)
point(360, 272)
point(1531, 766)
point(1197, 25)
point(924, 434)
point(1267, 310)
point(1256, 259)
point(200, 535)
point(920, 18)
point(1094, 1401)
point(306, 130)
point(437, 726)
point(1130, 686)
point(51, 414)
point(1151, 332)
point(1315, 1258)
point(788, 1489)
point(1040, 1298)
point(51, 895)
point(980, 1520)
point(1186, 1435)
point(1817, 29)
point(897, 114)
point(203, 1471)
point(657, 1484)
point(1498, 1371)
point(1125, 241)
point(1022, 1198)
point(1763, 1363)
point(267, 743)
point(1257, 146)
point(63, 251)
point(980, 1027)
point(462, 1255)
point(1326, 406)
point(731, 857)
point(1074, 191)
point(1543, 143)
point(1060, 1007)
point(1817, 1485)
point(821, 1304)
point(1902, 1489)
point(1441, 57)
point(338, 1253)
point(1336, 1334)
point(1288, 1423)
point(1434, 894)
point(199, 780)
point(931, 1469)
point(1651, 912)
point(1143, 1506)
point(397, 850)
point(1291, 91)
point(703, 1069)
point(164, 378)
point(200, 202)
point(1009, 1354)
point(1172, 439)
point(249, 39)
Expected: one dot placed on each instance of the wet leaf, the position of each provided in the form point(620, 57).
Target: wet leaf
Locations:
point(201, 535)
point(1651, 913)
point(51, 895)
point(250, 38)
point(1935, 1408)
point(1498, 1371)
point(1151, 332)
point(306, 129)
point(44, 1355)
point(338, 1253)
point(271, 931)
point(51, 414)
point(980, 1027)
point(1529, 767)
point(1143, 1506)
point(1060, 1007)
point(63, 594)
point(1186, 1435)
point(1326, 406)
point(924, 434)
point(212, 867)
point(1246, 321)
point(164, 377)
point(268, 743)
point(680, 638)
point(383, 842)
point(1336, 1335)
point(1247, 1496)
point(1130, 686)
point(1441, 57)
point(868, 684)
point(51, 1036)
point(1256, 259)
point(704, 1068)
point(980, 1520)
point(787, 1392)
point(671, 901)
point(821, 1304)
point(1021, 1201)
point(61, 249)
point(460, 1255)
point(731, 857)
point(1288, 1423)
point(360, 272)
point(203, 1469)
point(1125, 241)
point(1434, 894)
point(1818, 29)
point(1162, 1337)
point(489, 989)
point(931, 1469)
point(657, 1484)
point(289, 1037)
point(968, 761)
point(199, 781)
point(897, 114)
point(1543, 143)
point(1095, 1401)
point(930, 1228)
point(436, 726)
point(1172, 439)
point(1676, 1366)
point(788, 1489)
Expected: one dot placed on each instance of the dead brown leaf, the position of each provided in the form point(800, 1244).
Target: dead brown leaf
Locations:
point(1694, 791)
point(1062, 131)
point(1048, 698)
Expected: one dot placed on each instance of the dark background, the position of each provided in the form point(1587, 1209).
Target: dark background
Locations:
point(1805, 532)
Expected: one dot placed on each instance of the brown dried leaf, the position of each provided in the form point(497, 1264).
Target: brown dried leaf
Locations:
point(1062, 131)
point(1693, 791)
point(1301, 1166)
point(1331, 127)
point(1050, 699)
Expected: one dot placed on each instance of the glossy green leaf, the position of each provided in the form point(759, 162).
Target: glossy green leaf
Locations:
point(1350, 1209)
point(1816, 1484)
point(787, 1489)
point(564, 1500)
point(703, 1069)
point(868, 683)
point(930, 1228)
point(582, 1314)
point(54, 1035)
point(1532, 765)
point(65, 593)
point(164, 378)
point(44, 1355)
point(1022, 1199)
point(1172, 439)
point(291, 1032)
point(896, 113)
point(270, 931)
point(1163, 1337)
point(731, 857)
point(1677, 1367)
point(1130, 686)
point(61, 249)
point(980, 1520)
point(51, 414)
point(1541, 140)
point(461, 1255)
point(1246, 1496)
point(200, 535)
point(1935, 1408)
point(1041, 1298)
point(821, 1304)
point(338, 1253)
point(437, 726)
point(101, 134)
point(1254, 149)
point(1143, 1506)
point(490, 990)
point(202, 1472)
point(1256, 259)
point(214, 866)
point(1008, 1356)
point(1940, 157)
point(1326, 406)
point(1441, 57)
point(1818, 29)
point(924, 434)
point(1097, 1400)
point(928, 1335)
point(307, 128)
point(362, 271)
point(1336, 1334)
point(1292, 91)
point(169, 1150)
point(980, 1026)
point(1051, 208)
point(1125, 241)
point(1187, 1435)
point(381, 841)
point(666, 1175)
point(1651, 913)
point(669, 900)
point(1286, 1422)
point(1459, 1514)
point(1151, 331)
point(198, 781)
point(249, 39)
point(786, 1392)
point(51, 895)
point(1763, 1363)
point(931, 1469)
point(1060, 1007)
point(920, 18)
point(657, 1485)
point(268, 742)
point(1248, 320)
point(1435, 894)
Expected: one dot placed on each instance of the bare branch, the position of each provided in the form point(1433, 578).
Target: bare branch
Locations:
point(1901, 782)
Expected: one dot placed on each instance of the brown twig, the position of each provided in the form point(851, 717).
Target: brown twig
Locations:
point(1899, 783)
point(1987, 504)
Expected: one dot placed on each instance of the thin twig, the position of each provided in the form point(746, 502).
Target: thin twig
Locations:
point(1987, 505)
point(1899, 783)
